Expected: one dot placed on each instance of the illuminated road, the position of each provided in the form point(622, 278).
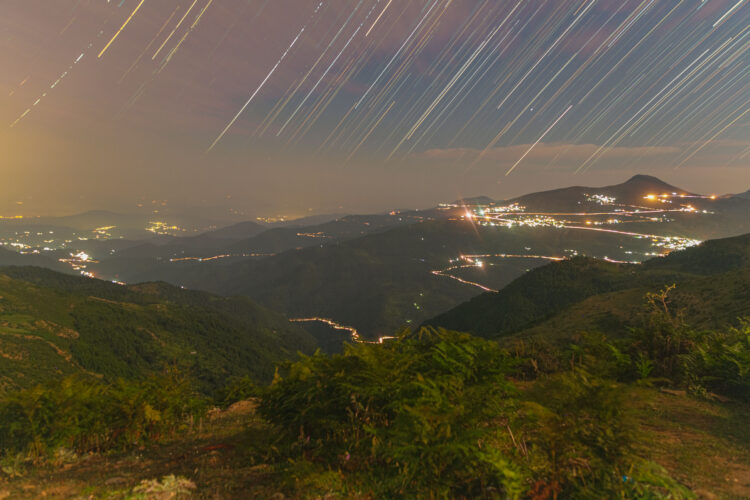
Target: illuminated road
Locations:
point(217, 257)
point(445, 273)
point(354, 335)
point(472, 261)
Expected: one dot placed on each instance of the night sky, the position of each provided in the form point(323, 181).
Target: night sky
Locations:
point(291, 106)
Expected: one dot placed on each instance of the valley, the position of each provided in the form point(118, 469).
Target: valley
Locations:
point(416, 263)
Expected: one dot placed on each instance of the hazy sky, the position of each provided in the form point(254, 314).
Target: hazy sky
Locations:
point(280, 106)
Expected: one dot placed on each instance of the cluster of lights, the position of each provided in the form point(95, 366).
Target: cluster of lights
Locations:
point(504, 209)
point(525, 221)
point(608, 222)
point(319, 234)
point(600, 199)
point(692, 209)
point(16, 244)
point(47, 241)
point(516, 215)
point(80, 261)
point(273, 220)
point(103, 232)
point(664, 197)
point(162, 228)
point(673, 243)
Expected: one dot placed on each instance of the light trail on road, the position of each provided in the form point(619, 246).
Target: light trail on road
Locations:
point(473, 263)
point(333, 324)
point(354, 334)
point(445, 273)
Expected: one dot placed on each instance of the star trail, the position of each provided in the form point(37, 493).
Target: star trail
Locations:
point(496, 89)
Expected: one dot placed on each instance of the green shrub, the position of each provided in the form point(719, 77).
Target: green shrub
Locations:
point(663, 349)
point(720, 362)
point(535, 357)
point(170, 487)
point(85, 415)
point(701, 361)
point(433, 415)
point(663, 338)
point(580, 439)
point(238, 389)
point(410, 418)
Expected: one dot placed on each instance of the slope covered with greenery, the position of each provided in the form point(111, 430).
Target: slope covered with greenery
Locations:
point(579, 294)
point(52, 325)
point(430, 414)
point(710, 302)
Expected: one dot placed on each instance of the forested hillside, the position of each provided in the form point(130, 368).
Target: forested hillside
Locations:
point(52, 325)
point(712, 290)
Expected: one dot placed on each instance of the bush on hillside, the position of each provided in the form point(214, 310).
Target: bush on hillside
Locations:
point(238, 389)
point(578, 436)
point(433, 415)
point(701, 361)
point(663, 349)
point(721, 362)
point(85, 415)
point(414, 415)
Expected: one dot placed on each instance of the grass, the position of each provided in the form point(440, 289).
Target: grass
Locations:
point(703, 444)
point(219, 459)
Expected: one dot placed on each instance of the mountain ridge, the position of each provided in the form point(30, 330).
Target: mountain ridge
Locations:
point(52, 324)
point(548, 290)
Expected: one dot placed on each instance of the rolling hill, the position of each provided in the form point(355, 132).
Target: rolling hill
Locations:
point(631, 192)
point(11, 258)
point(235, 232)
point(53, 324)
point(728, 216)
point(709, 302)
point(378, 283)
point(713, 289)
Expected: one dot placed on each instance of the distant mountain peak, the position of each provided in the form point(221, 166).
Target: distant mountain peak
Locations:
point(644, 178)
point(649, 181)
point(641, 179)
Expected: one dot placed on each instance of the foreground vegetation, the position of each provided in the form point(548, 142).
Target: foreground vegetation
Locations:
point(84, 415)
point(434, 414)
point(702, 444)
point(431, 414)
